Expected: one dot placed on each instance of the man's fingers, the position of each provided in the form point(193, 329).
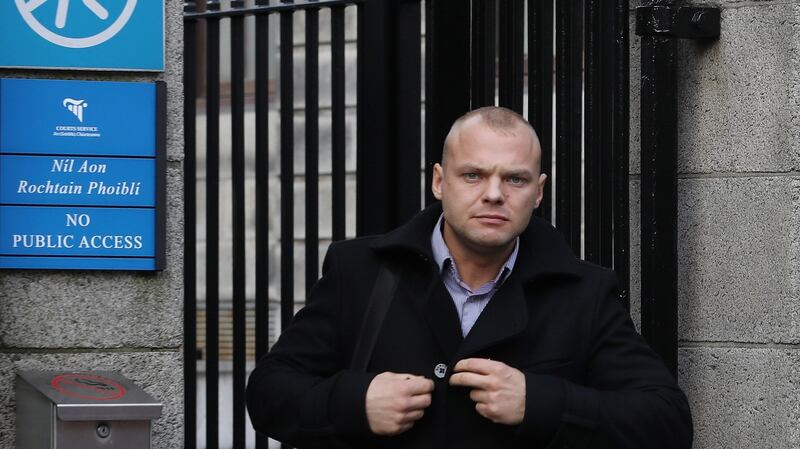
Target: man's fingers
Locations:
point(410, 417)
point(480, 366)
point(395, 401)
point(405, 427)
point(419, 402)
point(486, 411)
point(415, 385)
point(479, 396)
point(471, 380)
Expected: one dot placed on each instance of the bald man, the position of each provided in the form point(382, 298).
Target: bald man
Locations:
point(496, 335)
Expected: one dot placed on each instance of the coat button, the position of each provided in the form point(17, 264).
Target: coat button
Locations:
point(440, 370)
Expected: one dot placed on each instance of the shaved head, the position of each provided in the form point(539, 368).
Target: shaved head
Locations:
point(489, 183)
point(501, 120)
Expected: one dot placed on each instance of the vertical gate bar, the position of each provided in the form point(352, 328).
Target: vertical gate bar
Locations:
point(312, 147)
point(512, 54)
point(430, 155)
point(540, 89)
point(447, 41)
point(594, 109)
point(377, 126)
point(576, 158)
point(262, 191)
point(190, 229)
point(621, 150)
point(659, 195)
point(407, 186)
point(338, 214)
point(563, 131)
point(569, 86)
point(484, 65)
point(212, 231)
point(238, 224)
point(606, 171)
point(287, 169)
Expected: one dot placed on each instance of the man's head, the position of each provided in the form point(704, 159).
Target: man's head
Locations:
point(489, 181)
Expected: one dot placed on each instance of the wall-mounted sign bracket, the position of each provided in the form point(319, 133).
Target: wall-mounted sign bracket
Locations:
point(684, 22)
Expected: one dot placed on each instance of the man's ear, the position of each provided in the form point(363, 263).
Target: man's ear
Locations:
point(436, 182)
point(541, 181)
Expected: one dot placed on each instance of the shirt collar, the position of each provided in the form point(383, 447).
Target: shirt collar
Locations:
point(441, 253)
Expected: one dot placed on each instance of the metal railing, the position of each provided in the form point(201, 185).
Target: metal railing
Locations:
point(210, 19)
point(571, 83)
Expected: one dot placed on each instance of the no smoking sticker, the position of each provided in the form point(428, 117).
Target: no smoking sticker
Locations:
point(88, 387)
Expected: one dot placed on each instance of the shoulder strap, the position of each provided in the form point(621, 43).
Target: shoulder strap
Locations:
point(379, 301)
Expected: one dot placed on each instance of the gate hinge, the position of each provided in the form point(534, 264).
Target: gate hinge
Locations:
point(678, 21)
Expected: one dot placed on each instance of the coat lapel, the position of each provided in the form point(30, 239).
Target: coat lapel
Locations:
point(543, 254)
point(504, 317)
point(434, 305)
point(440, 313)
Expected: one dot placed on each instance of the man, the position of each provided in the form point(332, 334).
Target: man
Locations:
point(496, 337)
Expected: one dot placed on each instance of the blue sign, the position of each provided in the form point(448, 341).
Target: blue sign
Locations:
point(76, 231)
point(82, 34)
point(77, 117)
point(81, 174)
point(77, 180)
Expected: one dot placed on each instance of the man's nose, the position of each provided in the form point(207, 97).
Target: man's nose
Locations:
point(494, 191)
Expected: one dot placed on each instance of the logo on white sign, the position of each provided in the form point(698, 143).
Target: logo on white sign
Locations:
point(27, 7)
point(76, 107)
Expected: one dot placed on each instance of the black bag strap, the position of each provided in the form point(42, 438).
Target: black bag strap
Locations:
point(379, 301)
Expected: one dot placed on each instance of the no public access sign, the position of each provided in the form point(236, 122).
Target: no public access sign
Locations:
point(82, 175)
point(82, 34)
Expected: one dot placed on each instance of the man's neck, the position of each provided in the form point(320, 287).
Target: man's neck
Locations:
point(475, 268)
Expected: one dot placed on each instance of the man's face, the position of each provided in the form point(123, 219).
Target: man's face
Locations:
point(489, 186)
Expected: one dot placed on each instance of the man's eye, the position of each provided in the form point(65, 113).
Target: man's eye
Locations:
point(471, 176)
point(516, 180)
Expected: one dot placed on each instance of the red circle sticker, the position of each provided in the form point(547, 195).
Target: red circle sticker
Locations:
point(88, 386)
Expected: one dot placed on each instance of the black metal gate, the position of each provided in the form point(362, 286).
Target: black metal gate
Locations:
point(564, 65)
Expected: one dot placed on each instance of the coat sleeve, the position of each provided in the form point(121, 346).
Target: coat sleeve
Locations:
point(630, 400)
point(301, 392)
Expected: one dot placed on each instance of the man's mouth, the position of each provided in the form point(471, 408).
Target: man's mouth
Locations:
point(491, 218)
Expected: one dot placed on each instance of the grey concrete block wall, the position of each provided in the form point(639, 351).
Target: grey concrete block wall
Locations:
point(745, 89)
point(738, 217)
point(737, 246)
point(119, 321)
point(742, 397)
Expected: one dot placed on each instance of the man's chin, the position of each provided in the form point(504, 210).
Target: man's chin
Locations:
point(492, 245)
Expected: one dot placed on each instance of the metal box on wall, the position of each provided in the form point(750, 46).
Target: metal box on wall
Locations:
point(82, 410)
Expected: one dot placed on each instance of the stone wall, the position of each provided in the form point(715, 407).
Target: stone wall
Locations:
point(738, 220)
point(119, 321)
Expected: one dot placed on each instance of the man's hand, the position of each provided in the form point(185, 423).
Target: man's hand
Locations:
point(396, 401)
point(497, 389)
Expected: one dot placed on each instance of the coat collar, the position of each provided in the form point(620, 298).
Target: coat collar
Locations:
point(542, 252)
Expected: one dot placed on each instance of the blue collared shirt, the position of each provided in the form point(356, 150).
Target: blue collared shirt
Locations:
point(469, 303)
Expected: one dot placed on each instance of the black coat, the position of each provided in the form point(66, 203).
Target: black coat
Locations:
point(591, 380)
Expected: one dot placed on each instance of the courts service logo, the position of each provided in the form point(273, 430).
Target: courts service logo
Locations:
point(76, 107)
